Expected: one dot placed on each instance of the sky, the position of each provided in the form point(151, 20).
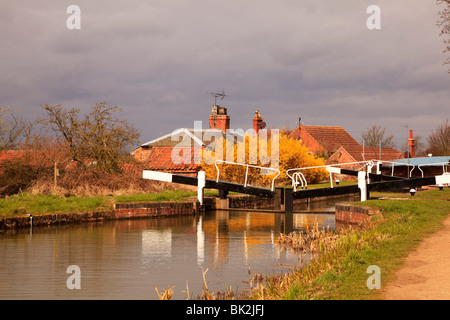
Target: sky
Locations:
point(158, 60)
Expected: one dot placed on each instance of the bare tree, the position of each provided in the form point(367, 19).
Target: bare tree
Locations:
point(100, 137)
point(12, 129)
point(439, 140)
point(375, 135)
point(65, 123)
point(106, 136)
point(444, 25)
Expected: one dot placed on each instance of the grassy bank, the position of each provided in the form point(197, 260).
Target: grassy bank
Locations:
point(38, 204)
point(339, 271)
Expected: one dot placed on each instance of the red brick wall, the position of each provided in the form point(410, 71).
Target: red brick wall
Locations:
point(340, 157)
point(308, 140)
point(351, 214)
point(311, 143)
point(221, 122)
point(157, 209)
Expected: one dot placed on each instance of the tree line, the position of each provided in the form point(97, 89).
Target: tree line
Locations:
point(63, 151)
point(100, 137)
point(437, 143)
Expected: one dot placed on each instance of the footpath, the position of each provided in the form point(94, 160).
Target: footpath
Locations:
point(424, 275)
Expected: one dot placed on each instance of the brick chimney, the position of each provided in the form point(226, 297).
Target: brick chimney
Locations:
point(257, 122)
point(219, 118)
point(411, 145)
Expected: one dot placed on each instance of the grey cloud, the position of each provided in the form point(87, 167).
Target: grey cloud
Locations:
point(158, 59)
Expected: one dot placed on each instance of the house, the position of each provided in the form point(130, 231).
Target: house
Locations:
point(323, 141)
point(337, 146)
point(180, 152)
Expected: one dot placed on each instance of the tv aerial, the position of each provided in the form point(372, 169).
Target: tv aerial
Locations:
point(217, 95)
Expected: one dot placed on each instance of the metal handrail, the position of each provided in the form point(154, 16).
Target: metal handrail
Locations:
point(302, 178)
point(431, 164)
point(399, 163)
point(325, 166)
point(246, 171)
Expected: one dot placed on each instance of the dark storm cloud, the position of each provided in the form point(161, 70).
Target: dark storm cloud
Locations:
point(158, 59)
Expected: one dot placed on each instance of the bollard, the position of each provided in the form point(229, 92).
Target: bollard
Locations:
point(31, 222)
point(362, 185)
point(201, 185)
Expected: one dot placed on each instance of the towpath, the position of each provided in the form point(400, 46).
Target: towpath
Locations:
point(424, 275)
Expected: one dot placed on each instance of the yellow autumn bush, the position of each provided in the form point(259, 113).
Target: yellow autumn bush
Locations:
point(284, 155)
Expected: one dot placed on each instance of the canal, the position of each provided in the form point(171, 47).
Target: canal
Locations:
point(126, 259)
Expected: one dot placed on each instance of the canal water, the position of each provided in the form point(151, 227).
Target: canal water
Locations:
point(126, 259)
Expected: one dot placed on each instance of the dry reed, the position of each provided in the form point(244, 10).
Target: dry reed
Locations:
point(322, 250)
point(165, 294)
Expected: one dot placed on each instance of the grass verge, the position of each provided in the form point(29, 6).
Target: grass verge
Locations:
point(339, 271)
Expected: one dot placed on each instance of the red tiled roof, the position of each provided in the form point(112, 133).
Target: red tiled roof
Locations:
point(157, 154)
point(11, 154)
point(34, 157)
point(331, 138)
point(160, 159)
point(371, 153)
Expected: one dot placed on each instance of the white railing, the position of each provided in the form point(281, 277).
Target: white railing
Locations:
point(246, 170)
point(398, 163)
point(444, 165)
point(298, 178)
point(293, 177)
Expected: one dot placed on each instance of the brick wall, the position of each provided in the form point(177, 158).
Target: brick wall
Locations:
point(221, 122)
point(121, 211)
point(352, 214)
point(154, 209)
point(312, 144)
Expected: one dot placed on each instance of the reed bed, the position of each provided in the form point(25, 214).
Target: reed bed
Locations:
point(319, 251)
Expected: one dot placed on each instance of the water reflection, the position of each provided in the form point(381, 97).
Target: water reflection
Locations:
point(126, 259)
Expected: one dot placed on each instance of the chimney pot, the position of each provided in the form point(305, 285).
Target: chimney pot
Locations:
point(219, 118)
point(257, 122)
point(411, 145)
